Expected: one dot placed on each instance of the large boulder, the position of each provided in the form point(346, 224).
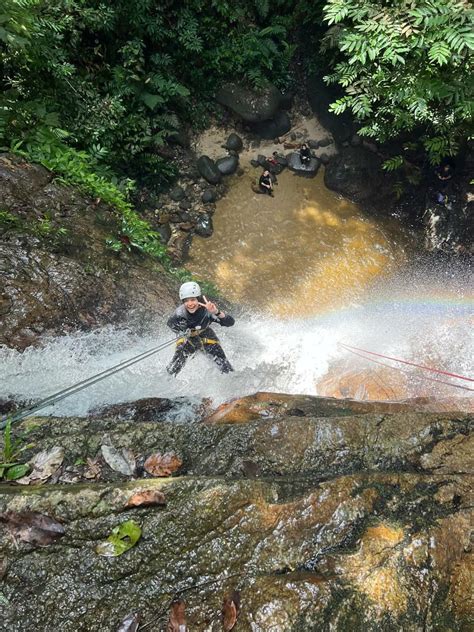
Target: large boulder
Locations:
point(277, 126)
point(208, 170)
point(227, 165)
point(320, 96)
point(251, 106)
point(295, 164)
point(356, 173)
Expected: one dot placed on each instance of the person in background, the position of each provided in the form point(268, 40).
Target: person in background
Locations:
point(305, 154)
point(193, 318)
point(265, 183)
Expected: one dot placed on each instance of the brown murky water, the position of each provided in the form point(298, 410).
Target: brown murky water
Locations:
point(302, 252)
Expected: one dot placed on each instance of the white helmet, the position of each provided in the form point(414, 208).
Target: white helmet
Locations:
point(189, 290)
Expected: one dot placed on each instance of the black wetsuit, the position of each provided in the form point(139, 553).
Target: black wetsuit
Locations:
point(204, 340)
point(265, 184)
point(305, 155)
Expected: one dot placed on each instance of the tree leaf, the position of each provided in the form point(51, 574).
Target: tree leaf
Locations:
point(33, 527)
point(43, 466)
point(146, 498)
point(177, 620)
point(230, 610)
point(122, 538)
point(162, 464)
point(17, 471)
point(122, 461)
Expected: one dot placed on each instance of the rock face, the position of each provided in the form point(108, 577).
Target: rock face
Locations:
point(249, 105)
point(278, 125)
point(356, 173)
point(58, 276)
point(320, 96)
point(323, 514)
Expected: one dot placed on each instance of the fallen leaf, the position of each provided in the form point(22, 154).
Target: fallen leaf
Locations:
point(43, 466)
point(145, 498)
point(93, 468)
point(122, 538)
point(162, 464)
point(177, 620)
point(122, 461)
point(130, 623)
point(32, 527)
point(230, 610)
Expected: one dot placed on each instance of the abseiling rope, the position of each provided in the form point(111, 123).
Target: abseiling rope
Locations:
point(75, 388)
point(355, 351)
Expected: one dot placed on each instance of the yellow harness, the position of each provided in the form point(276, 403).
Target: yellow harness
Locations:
point(207, 341)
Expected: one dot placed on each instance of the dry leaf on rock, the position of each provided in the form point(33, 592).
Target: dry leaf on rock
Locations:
point(230, 610)
point(177, 620)
point(43, 466)
point(162, 464)
point(122, 461)
point(93, 468)
point(32, 527)
point(146, 498)
point(130, 623)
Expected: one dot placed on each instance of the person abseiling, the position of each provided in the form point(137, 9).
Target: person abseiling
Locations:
point(265, 183)
point(305, 154)
point(193, 318)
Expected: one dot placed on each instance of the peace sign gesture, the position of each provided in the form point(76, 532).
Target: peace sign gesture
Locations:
point(209, 305)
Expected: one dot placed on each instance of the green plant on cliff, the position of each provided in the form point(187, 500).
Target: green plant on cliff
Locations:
point(11, 467)
point(405, 67)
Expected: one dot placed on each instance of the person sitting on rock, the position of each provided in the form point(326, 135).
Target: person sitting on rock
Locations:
point(193, 319)
point(305, 154)
point(265, 183)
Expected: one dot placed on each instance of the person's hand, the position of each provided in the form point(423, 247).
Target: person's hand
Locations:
point(210, 306)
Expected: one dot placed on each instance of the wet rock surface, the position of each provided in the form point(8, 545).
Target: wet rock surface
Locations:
point(58, 276)
point(323, 514)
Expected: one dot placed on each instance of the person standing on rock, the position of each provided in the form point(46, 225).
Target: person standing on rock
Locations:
point(265, 183)
point(194, 318)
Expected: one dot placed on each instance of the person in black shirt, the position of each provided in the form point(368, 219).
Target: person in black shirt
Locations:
point(305, 154)
point(193, 318)
point(265, 183)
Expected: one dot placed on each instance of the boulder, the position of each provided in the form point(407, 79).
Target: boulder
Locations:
point(208, 196)
point(177, 193)
point(227, 165)
point(295, 164)
point(233, 142)
point(208, 170)
point(357, 174)
point(250, 105)
point(277, 126)
point(204, 227)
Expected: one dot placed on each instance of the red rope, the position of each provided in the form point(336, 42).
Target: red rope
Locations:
point(420, 366)
point(396, 368)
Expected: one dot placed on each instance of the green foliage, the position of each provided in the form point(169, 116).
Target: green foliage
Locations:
point(405, 66)
point(116, 79)
point(10, 467)
point(122, 538)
